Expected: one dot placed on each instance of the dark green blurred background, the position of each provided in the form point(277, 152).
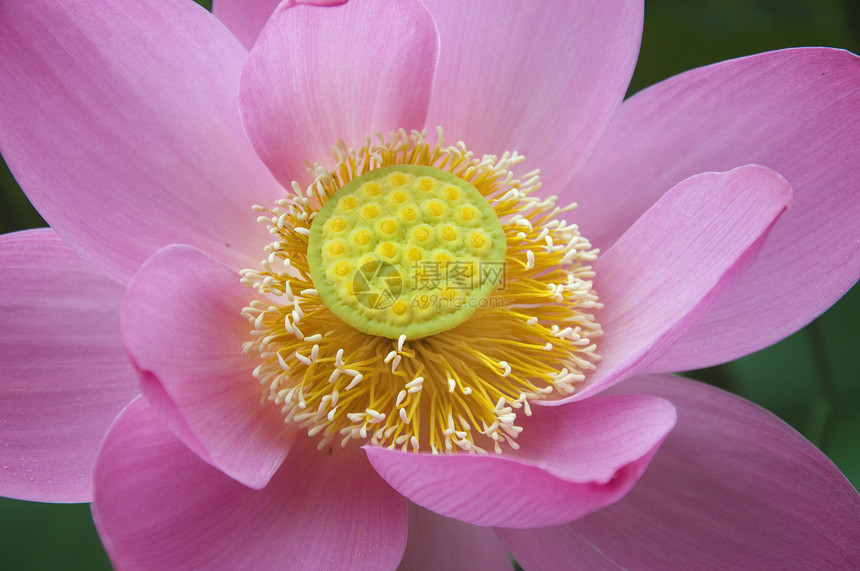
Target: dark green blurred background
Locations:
point(810, 379)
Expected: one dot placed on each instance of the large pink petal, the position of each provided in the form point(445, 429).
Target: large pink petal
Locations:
point(438, 542)
point(121, 123)
point(541, 78)
point(733, 487)
point(183, 327)
point(157, 506)
point(573, 460)
point(794, 111)
point(675, 262)
point(245, 18)
point(65, 375)
point(319, 74)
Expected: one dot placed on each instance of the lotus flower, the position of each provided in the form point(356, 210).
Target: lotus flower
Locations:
point(141, 328)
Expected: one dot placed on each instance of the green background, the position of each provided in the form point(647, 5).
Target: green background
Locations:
point(809, 380)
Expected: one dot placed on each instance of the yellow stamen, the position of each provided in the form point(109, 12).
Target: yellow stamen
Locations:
point(461, 389)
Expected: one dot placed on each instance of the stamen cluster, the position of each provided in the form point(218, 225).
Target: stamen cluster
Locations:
point(460, 389)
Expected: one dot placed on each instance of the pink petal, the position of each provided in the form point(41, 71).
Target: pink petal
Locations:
point(541, 78)
point(437, 542)
point(733, 487)
point(120, 122)
point(65, 374)
point(319, 74)
point(157, 506)
point(183, 328)
point(675, 261)
point(573, 460)
point(794, 111)
point(245, 18)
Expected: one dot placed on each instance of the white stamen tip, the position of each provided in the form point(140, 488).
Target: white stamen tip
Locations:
point(416, 382)
point(355, 380)
point(283, 363)
point(375, 416)
point(500, 404)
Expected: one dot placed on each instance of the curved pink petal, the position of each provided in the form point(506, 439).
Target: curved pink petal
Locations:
point(319, 74)
point(245, 18)
point(733, 487)
point(794, 111)
point(438, 542)
point(540, 78)
point(183, 327)
point(573, 460)
point(120, 121)
point(675, 262)
point(157, 506)
point(65, 375)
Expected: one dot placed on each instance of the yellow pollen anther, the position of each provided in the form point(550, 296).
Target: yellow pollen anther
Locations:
point(370, 211)
point(399, 307)
point(466, 213)
point(435, 208)
point(347, 203)
point(389, 226)
point(372, 189)
point(388, 249)
point(394, 279)
point(443, 259)
point(362, 237)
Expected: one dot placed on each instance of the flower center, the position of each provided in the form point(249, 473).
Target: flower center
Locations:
point(406, 250)
point(417, 296)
